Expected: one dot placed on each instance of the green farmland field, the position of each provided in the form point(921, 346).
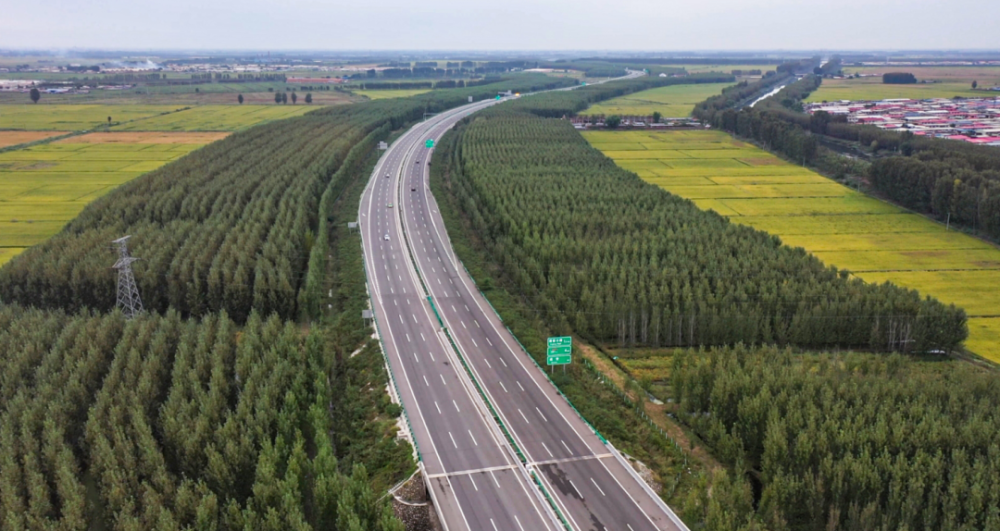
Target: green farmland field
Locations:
point(674, 101)
point(389, 93)
point(876, 241)
point(942, 82)
point(45, 186)
point(143, 117)
point(217, 118)
point(32, 117)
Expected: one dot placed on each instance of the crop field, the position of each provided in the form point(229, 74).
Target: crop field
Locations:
point(32, 117)
point(674, 101)
point(697, 69)
point(45, 186)
point(873, 89)
point(949, 81)
point(217, 118)
point(390, 93)
point(876, 241)
point(144, 117)
point(13, 138)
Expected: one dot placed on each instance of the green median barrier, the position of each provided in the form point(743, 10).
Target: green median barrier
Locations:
point(489, 405)
point(552, 502)
point(436, 314)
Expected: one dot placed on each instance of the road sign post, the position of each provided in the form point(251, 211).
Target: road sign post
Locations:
point(559, 352)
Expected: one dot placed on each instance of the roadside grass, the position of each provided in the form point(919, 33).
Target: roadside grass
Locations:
point(675, 101)
point(874, 240)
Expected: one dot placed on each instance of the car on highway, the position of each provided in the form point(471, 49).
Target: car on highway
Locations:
point(413, 188)
point(386, 237)
point(417, 162)
point(390, 205)
point(387, 176)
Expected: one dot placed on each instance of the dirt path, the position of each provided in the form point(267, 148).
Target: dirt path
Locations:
point(656, 412)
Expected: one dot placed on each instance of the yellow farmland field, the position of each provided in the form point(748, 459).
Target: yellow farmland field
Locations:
point(12, 138)
point(45, 186)
point(877, 241)
point(984, 337)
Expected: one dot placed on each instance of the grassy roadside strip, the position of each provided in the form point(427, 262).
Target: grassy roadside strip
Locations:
point(365, 418)
point(599, 404)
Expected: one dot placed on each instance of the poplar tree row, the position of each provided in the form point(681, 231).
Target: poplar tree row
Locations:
point(850, 441)
point(177, 424)
point(227, 227)
point(614, 258)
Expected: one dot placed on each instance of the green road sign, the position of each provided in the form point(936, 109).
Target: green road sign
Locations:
point(559, 351)
point(498, 96)
point(584, 84)
point(429, 143)
point(564, 341)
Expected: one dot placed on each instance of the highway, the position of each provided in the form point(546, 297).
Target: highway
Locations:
point(474, 479)
point(593, 487)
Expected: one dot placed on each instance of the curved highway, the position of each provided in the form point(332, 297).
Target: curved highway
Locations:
point(419, 288)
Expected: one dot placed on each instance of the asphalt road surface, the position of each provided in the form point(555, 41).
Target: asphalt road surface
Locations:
point(476, 480)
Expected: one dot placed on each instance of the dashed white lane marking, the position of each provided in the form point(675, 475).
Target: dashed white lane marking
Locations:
point(490, 342)
point(598, 487)
point(438, 407)
point(456, 406)
point(518, 523)
point(519, 385)
point(416, 357)
point(494, 525)
point(540, 415)
point(474, 343)
point(463, 325)
point(475, 487)
point(566, 446)
point(504, 386)
point(547, 449)
point(502, 361)
point(442, 379)
point(422, 337)
point(426, 382)
point(473, 437)
point(455, 444)
point(523, 417)
point(578, 493)
point(488, 363)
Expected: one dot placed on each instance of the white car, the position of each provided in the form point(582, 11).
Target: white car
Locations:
point(386, 237)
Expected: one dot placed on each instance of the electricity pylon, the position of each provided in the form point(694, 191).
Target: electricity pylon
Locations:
point(128, 292)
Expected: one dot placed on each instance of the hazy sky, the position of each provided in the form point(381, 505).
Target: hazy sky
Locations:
point(501, 25)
